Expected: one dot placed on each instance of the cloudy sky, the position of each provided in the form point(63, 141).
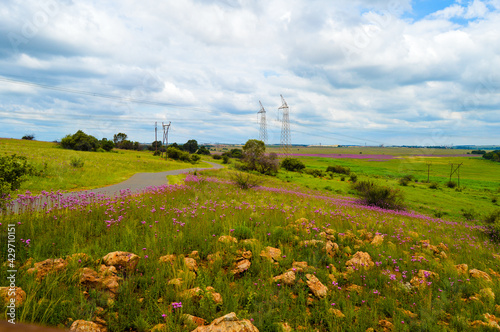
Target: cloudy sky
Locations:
point(352, 71)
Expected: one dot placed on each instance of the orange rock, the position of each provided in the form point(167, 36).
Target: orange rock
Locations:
point(273, 254)
point(227, 239)
point(12, 295)
point(48, 266)
point(121, 259)
point(168, 259)
point(228, 323)
point(477, 274)
point(360, 260)
point(316, 287)
point(85, 326)
point(462, 268)
point(191, 264)
point(241, 267)
point(288, 278)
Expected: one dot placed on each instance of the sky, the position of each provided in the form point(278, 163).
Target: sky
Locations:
point(352, 72)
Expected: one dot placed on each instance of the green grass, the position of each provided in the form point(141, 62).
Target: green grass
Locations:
point(99, 169)
point(191, 217)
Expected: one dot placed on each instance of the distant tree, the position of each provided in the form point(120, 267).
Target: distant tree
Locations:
point(80, 141)
point(203, 150)
point(190, 146)
point(478, 152)
point(29, 137)
point(120, 137)
point(156, 145)
point(236, 153)
point(292, 164)
point(493, 155)
point(253, 150)
point(107, 145)
point(175, 145)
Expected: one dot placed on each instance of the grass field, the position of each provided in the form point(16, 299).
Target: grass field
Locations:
point(294, 251)
point(99, 169)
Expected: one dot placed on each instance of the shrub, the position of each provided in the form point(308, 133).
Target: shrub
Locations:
point(242, 233)
point(493, 217)
point(268, 164)
point(353, 177)
point(434, 185)
point(406, 179)
point(107, 145)
point(376, 195)
point(80, 141)
point(451, 184)
point(13, 170)
point(292, 164)
point(245, 180)
point(314, 172)
point(29, 137)
point(339, 169)
point(77, 162)
point(216, 156)
point(469, 214)
point(225, 159)
point(203, 150)
point(195, 158)
point(493, 155)
point(478, 152)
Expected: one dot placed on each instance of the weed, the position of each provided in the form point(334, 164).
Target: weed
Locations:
point(434, 185)
point(245, 180)
point(77, 162)
point(469, 214)
point(353, 177)
point(242, 232)
point(339, 169)
point(451, 184)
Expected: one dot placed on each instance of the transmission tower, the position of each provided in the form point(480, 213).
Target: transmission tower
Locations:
point(263, 124)
point(166, 127)
point(286, 139)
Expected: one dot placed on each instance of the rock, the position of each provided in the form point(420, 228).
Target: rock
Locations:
point(191, 264)
point(176, 282)
point(477, 274)
point(121, 259)
point(273, 254)
point(336, 313)
point(241, 267)
point(48, 266)
point(85, 326)
point(195, 255)
point(16, 294)
point(284, 327)
point(288, 278)
point(227, 239)
point(92, 279)
point(168, 259)
point(228, 323)
point(385, 325)
point(193, 319)
point(443, 247)
point(331, 248)
point(107, 270)
point(354, 288)
point(196, 294)
point(300, 265)
point(249, 242)
point(159, 328)
point(311, 243)
point(316, 287)
point(247, 254)
point(409, 313)
point(443, 255)
point(427, 275)
point(211, 258)
point(377, 240)
point(462, 268)
point(360, 260)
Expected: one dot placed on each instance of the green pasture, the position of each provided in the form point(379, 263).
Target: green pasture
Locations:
point(479, 181)
point(99, 169)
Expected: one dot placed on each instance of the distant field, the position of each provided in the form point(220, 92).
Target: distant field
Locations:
point(99, 170)
point(479, 178)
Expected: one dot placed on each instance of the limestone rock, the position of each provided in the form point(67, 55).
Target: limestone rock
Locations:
point(336, 313)
point(377, 240)
point(241, 267)
point(121, 259)
point(477, 274)
point(288, 278)
point(196, 293)
point(85, 326)
point(423, 274)
point(92, 279)
point(16, 293)
point(228, 323)
point(47, 266)
point(311, 243)
point(331, 248)
point(487, 294)
point(385, 325)
point(168, 259)
point(191, 264)
point(193, 319)
point(195, 255)
point(316, 287)
point(249, 242)
point(107, 270)
point(462, 268)
point(227, 239)
point(360, 260)
point(354, 288)
point(273, 254)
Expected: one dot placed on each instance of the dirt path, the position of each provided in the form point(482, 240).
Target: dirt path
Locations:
point(140, 181)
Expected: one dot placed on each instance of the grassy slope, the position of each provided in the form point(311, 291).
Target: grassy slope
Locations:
point(192, 217)
point(99, 170)
point(479, 179)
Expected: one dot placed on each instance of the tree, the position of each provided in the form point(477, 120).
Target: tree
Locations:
point(107, 145)
point(80, 141)
point(190, 146)
point(253, 150)
point(203, 150)
point(292, 164)
point(29, 137)
point(120, 137)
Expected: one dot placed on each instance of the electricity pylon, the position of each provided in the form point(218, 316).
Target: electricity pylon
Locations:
point(286, 139)
point(263, 124)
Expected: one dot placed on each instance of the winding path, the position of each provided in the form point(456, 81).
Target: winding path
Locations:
point(140, 181)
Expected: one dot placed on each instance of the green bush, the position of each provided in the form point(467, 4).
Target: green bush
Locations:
point(434, 185)
point(242, 233)
point(225, 159)
point(451, 184)
point(245, 180)
point(292, 164)
point(406, 179)
point(376, 195)
point(80, 141)
point(493, 217)
point(77, 162)
point(339, 169)
point(217, 156)
point(13, 171)
point(469, 214)
point(195, 158)
point(314, 172)
point(353, 177)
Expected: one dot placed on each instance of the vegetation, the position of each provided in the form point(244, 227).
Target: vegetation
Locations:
point(292, 164)
point(339, 169)
point(381, 196)
point(255, 158)
point(29, 137)
point(493, 155)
